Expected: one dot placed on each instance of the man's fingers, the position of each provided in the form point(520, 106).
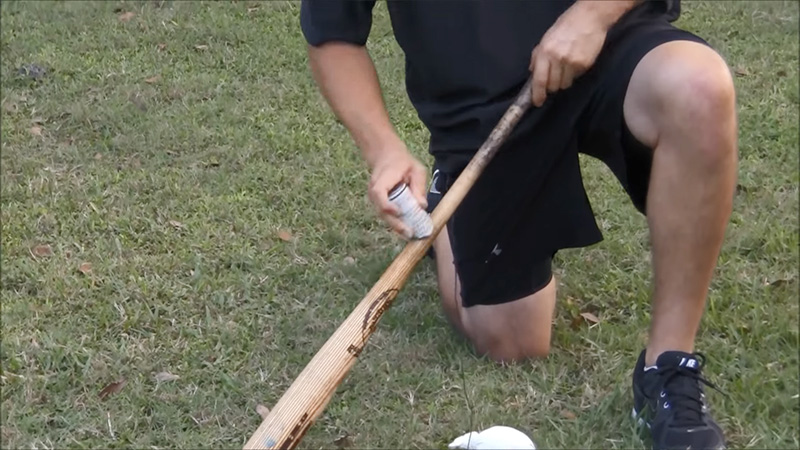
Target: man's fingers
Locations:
point(388, 212)
point(533, 59)
point(541, 71)
point(567, 77)
point(379, 196)
point(380, 187)
point(398, 226)
point(554, 79)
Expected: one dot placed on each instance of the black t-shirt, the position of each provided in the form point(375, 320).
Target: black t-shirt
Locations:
point(465, 59)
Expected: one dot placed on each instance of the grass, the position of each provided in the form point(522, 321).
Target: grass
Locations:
point(206, 217)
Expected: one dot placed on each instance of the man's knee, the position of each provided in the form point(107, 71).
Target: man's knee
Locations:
point(489, 336)
point(704, 104)
point(508, 350)
point(515, 331)
point(690, 95)
point(702, 85)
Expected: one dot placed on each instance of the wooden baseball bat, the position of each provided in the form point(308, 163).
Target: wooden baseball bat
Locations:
point(310, 393)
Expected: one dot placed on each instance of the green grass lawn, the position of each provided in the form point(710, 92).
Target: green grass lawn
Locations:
point(177, 198)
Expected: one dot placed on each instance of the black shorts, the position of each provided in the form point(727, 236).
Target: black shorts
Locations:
point(530, 200)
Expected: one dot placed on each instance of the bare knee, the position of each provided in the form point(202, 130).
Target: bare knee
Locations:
point(687, 92)
point(503, 350)
point(706, 109)
point(515, 331)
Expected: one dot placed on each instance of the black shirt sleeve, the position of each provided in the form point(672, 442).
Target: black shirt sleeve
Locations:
point(336, 20)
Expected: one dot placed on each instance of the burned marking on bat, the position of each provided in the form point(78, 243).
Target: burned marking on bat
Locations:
point(387, 297)
point(295, 432)
point(354, 350)
point(368, 326)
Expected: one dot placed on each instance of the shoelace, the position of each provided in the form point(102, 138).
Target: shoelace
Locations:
point(684, 392)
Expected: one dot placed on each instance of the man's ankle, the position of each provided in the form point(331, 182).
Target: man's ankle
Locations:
point(652, 352)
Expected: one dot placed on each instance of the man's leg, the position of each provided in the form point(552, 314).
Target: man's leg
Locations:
point(681, 102)
point(506, 332)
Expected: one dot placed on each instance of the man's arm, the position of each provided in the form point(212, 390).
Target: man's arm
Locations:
point(607, 12)
point(347, 79)
point(337, 31)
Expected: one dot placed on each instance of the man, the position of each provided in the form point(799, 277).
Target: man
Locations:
point(612, 79)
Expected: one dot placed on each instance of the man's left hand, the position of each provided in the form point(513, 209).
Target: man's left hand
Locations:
point(570, 47)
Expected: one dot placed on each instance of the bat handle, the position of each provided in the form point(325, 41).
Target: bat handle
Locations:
point(524, 99)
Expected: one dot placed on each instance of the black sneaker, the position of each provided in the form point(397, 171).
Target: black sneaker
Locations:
point(668, 398)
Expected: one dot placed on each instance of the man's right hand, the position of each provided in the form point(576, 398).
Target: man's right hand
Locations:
point(390, 167)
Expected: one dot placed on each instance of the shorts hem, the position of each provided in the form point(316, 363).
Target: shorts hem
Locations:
point(508, 295)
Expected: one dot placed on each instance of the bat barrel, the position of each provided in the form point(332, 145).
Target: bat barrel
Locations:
point(309, 394)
